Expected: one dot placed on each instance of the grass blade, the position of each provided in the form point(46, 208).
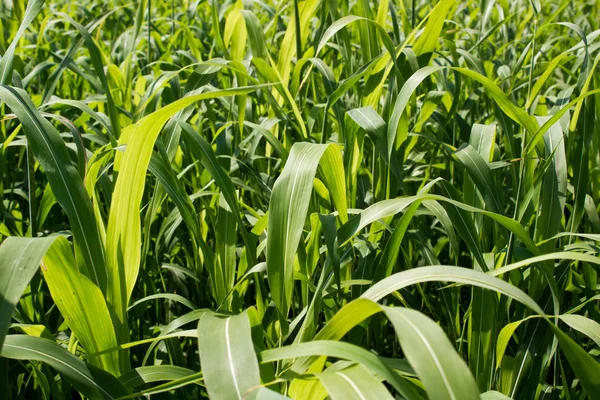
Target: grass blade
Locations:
point(19, 261)
point(227, 356)
point(82, 304)
point(92, 382)
point(288, 209)
point(67, 186)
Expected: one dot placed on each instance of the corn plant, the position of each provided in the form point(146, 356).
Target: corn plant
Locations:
point(307, 199)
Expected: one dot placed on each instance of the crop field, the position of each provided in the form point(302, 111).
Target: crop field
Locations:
point(284, 199)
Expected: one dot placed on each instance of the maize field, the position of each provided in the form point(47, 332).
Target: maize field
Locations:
point(300, 199)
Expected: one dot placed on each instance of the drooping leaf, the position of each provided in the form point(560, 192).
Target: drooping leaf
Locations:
point(92, 382)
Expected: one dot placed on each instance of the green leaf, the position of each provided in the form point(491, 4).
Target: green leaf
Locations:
point(288, 209)
point(372, 123)
point(154, 373)
point(428, 40)
point(66, 183)
point(493, 395)
point(227, 356)
point(379, 210)
point(560, 255)
point(168, 296)
point(554, 185)
point(430, 353)
point(82, 304)
point(202, 150)
point(392, 248)
point(386, 208)
point(288, 48)
point(587, 326)
point(255, 34)
point(504, 337)
point(92, 382)
point(548, 70)
point(166, 176)
point(585, 366)
point(481, 174)
point(19, 261)
point(166, 387)
point(123, 240)
point(97, 61)
point(539, 133)
point(6, 63)
point(262, 393)
point(352, 382)
point(482, 332)
point(345, 21)
point(448, 274)
point(226, 234)
point(502, 100)
point(344, 351)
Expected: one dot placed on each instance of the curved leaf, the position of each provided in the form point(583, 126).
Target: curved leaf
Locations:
point(448, 274)
point(428, 350)
point(123, 240)
point(352, 382)
point(67, 186)
point(288, 209)
point(92, 382)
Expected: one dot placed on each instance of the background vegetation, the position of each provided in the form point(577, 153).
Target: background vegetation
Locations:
point(319, 198)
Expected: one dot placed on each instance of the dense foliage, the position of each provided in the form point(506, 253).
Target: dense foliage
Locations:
point(253, 199)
